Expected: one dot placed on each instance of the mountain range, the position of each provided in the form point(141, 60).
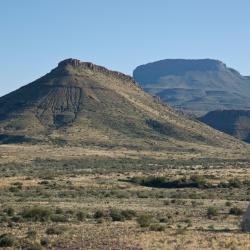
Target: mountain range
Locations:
point(195, 86)
point(207, 89)
point(79, 103)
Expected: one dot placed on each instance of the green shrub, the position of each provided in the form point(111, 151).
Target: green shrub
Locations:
point(144, 220)
point(7, 240)
point(14, 189)
point(116, 215)
point(58, 218)
point(37, 214)
point(99, 214)
point(58, 210)
point(236, 211)
point(235, 183)
point(80, 215)
point(33, 246)
point(17, 218)
point(212, 211)
point(55, 230)
point(163, 182)
point(166, 202)
point(9, 211)
point(128, 214)
point(31, 234)
point(157, 227)
point(44, 242)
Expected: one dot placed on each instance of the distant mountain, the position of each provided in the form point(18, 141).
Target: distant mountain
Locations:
point(79, 103)
point(233, 122)
point(196, 86)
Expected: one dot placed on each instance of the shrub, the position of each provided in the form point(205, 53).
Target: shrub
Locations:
point(31, 234)
point(80, 215)
point(235, 183)
point(37, 213)
point(7, 240)
point(44, 242)
point(9, 211)
point(17, 218)
point(199, 181)
point(212, 211)
point(157, 227)
point(58, 210)
point(116, 215)
point(235, 211)
point(144, 220)
point(55, 230)
point(99, 214)
point(14, 189)
point(166, 202)
point(129, 214)
point(33, 246)
point(163, 182)
point(58, 218)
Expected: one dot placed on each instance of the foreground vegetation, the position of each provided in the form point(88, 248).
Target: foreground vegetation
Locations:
point(124, 203)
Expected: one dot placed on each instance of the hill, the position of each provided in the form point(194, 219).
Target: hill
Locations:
point(196, 86)
point(233, 122)
point(80, 103)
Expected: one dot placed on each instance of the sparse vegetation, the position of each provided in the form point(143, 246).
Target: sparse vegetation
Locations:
point(236, 211)
point(145, 220)
point(88, 201)
point(212, 212)
point(37, 213)
point(7, 240)
point(55, 230)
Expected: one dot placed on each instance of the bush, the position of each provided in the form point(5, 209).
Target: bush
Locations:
point(157, 227)
point(58, 210)
point(80, 215)
point(212, 211)
point(44, 242)
point(235, 183)
point(17, 218)
point(37, 214)
point(31, 234)
point(33, 246)
point(7, 240)
point(116, 215)
point(144, 220)
point(9, 211)
point(129, 214)
point(236, 211)
point(99, 214)
point(58, 218)
point(55, 230)
point(163, 182)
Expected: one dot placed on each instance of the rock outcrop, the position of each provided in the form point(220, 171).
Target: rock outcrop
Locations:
point(233, 122)
point(195, 86)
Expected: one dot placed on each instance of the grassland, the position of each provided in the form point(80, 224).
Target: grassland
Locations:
point(79, 198)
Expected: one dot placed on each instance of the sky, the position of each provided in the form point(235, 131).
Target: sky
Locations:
point(120, 35)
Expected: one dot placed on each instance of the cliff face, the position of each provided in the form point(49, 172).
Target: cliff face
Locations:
point(196, 86)
point(233, 122)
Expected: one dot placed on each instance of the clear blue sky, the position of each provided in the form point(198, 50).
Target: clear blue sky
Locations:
point(119, 34)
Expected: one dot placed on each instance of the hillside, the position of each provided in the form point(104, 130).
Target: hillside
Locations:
point(233, 122)
point(196, 86)
point(80, 103)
